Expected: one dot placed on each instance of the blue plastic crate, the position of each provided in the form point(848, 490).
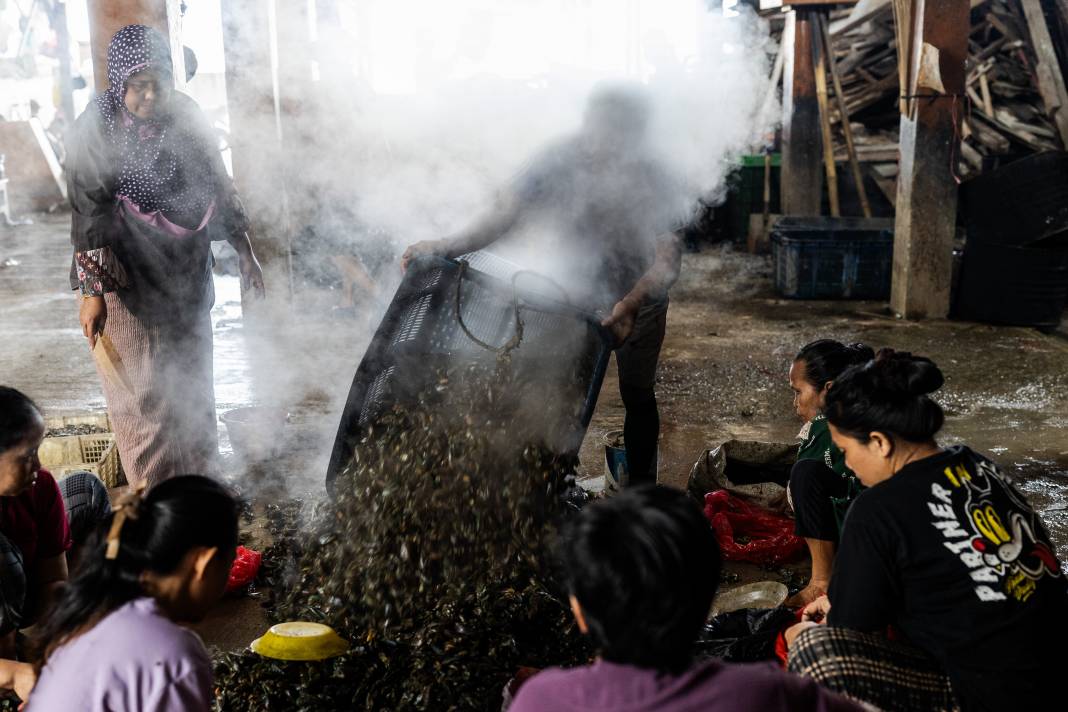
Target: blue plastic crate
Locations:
point(833, 258)
point(563, 352)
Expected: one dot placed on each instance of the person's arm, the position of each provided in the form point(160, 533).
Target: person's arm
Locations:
point(484, 232)
point(657, 280)
point(17, 676)
point(50, 576)
point(96, 269)
point(53, 543)
point(865, 586)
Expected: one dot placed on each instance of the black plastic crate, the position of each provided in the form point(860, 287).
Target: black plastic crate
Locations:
point(1020, 203)
point(1009, 284)
point(564, 351)
point(833, 258)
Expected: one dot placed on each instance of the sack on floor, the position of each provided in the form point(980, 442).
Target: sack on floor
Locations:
point(755, 471)
point(749, 533)
point(743, 636)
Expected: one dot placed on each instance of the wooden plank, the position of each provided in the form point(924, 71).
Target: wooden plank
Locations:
point(984, 89)
point(825, 117)
point(1048, 69)
point(843, 113)
point(863, 12)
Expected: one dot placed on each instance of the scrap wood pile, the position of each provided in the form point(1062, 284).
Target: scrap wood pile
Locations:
point(430, 560)
point(1013, 87)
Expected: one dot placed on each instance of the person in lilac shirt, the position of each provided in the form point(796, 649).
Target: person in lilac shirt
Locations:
point(113, 643)
point(642, 569)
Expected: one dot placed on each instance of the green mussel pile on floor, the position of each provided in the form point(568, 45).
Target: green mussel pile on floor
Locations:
point(432, 559)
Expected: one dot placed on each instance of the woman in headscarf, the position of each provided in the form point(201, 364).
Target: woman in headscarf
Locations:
point(146, 182)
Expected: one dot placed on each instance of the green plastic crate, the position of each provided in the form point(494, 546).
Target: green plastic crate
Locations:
point(745, 193)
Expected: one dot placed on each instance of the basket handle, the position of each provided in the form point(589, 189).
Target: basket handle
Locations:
point(503, 352)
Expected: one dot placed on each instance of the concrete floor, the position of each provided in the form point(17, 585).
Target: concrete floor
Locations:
point(723, 375)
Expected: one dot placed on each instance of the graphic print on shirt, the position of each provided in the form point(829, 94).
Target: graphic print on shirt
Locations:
point(993, 532)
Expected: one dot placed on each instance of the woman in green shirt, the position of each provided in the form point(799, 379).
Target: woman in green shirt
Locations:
point(821, 486)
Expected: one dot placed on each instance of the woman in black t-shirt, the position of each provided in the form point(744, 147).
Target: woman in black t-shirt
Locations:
point(942, 553)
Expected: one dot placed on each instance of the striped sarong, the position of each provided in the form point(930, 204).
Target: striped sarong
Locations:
point(165, 425)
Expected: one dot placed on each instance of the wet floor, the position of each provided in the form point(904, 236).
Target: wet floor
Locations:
point(722, 376)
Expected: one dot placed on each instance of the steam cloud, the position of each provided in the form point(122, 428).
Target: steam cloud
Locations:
point(381, 171)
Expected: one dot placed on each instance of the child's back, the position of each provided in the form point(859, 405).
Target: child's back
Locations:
point(133, 659)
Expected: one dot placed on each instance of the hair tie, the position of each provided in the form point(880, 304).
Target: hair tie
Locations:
point(128, 507)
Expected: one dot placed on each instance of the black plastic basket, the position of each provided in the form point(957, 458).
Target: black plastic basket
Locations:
point(1018, 204)
point(833, 258)
point(1008, 284)
point(421, 337)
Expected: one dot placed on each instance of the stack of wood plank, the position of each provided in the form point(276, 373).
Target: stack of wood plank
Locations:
point(1015, 88)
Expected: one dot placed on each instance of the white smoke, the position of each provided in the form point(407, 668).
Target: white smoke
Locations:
point(420, 112)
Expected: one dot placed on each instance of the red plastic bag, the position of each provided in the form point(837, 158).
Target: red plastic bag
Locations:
point(771, 538)
point(246, 566)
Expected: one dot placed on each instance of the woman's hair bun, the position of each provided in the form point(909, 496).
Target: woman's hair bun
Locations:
point(901, 372)
point(860, 353)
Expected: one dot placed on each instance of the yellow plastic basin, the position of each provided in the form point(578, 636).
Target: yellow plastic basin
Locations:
point(299, 640)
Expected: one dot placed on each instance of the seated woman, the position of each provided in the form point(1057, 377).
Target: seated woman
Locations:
point(821, 487)
point(114, 640)
point(941, 550)
point(642, 569)
point(37, 520)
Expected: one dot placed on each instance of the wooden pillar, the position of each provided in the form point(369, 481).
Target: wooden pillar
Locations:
point(59, 25)
point(802, 169)
point(255, 135)
point(930, 137)
point(301, 121)
point(106, 17)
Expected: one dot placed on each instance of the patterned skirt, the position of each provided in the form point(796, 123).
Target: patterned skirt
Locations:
point(164, 415)
point(871, 669)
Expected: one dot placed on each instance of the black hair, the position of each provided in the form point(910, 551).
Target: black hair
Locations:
point(644, 565)
point(887, 395)
point(18, 415)
point(826, 359)
point(175, 516)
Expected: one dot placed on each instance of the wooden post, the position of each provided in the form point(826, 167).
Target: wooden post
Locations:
point(255, 136)
point(802, 176)
point(106, 17)
point(59, 25)
point(1048, 70)
point(299, 110)
point(927, 186)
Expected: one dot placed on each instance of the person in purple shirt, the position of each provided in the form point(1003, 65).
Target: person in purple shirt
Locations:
point(642, 569)
point(113, 643)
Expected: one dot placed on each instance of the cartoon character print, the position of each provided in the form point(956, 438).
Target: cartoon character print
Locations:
point(1006, 532)
point(1020, 544)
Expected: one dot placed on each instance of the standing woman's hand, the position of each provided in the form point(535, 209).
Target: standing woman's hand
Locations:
point(251, 274)
point(93, 314)
point(248, 265)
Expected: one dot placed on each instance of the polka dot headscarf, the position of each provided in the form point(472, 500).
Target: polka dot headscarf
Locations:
point(158, 158)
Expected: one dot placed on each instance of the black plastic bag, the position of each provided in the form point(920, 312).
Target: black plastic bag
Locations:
point(745, 635)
